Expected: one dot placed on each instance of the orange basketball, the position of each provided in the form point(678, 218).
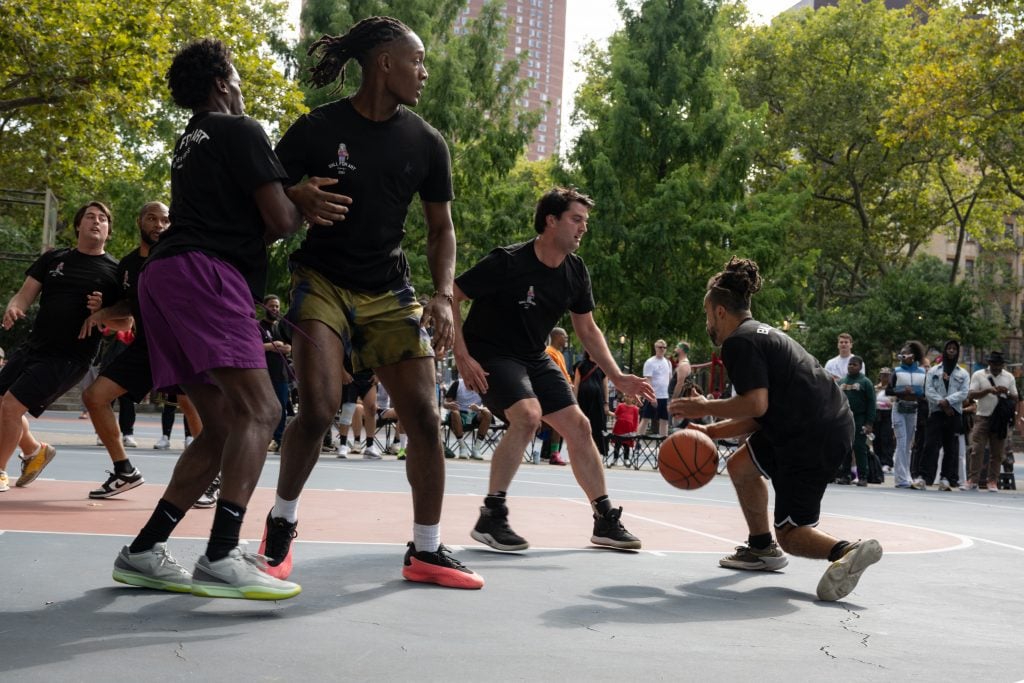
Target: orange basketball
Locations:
point(688, 459)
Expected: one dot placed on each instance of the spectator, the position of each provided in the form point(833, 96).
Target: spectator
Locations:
point(946, 388)
point(837, 367)
point(467, 411)
point(995, 391)
point(885, 442)
point(591, 391)
point(907, 386)
point(860, 394)
point(276, 350)
point(551, 440)
point(657, 371)
point(627, 418)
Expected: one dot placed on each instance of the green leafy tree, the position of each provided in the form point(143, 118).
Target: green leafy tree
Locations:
point(664, 149)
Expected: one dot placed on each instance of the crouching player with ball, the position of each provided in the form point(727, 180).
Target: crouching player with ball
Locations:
point(800, 429)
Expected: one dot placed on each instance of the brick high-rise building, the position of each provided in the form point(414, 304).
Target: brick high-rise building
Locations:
point(536, 27)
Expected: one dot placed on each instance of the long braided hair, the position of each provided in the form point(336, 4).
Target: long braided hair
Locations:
point(333, 52)
point(733, 287)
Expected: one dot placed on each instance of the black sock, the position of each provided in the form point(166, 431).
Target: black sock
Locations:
point(602, 505)
point(759, 541)
point(159, 527)
point(494, 501)
point(838, 550)
point(342, 439)
point(227, 526)
point(123, 466)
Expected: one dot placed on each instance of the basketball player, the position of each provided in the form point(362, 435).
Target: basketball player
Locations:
point(800, 427)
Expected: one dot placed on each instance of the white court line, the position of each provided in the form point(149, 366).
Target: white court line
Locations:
point(730, 541)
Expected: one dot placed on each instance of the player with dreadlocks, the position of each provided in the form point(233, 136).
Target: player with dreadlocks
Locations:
point(801, 429)
point(351, 291)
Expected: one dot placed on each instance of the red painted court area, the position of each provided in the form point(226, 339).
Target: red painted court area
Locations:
point(383, 517)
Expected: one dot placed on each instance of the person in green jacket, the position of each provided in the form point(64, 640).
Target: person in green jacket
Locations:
point(860, 394)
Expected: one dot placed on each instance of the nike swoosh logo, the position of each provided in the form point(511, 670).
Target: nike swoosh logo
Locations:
point(233, 513)
point(170, 516)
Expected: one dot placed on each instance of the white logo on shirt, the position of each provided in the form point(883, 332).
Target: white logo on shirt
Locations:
point(528, 301)
point(764, 329)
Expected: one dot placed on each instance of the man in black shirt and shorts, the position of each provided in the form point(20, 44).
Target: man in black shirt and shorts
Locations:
point(800, 427)
point(351, 293)
point(70, 283)
point(129, 372)
point(519, 293)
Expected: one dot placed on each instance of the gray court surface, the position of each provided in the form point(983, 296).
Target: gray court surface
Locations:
point(556, 614)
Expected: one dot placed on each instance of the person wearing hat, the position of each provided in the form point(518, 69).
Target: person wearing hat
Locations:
point(991, 387)
point(884, 444)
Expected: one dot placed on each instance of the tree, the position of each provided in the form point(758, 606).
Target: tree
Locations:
point(664, 150)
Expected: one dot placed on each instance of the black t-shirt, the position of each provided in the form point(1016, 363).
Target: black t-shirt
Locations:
point(517, 300)
point(68, 276)
point(277, 365)
point(219, 162)
point(380, 165)
point(128, 276)
point(803, 399)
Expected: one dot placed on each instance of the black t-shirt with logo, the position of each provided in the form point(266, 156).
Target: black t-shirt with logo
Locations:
point(517, 300)
point(68, 276)
point(128, 277)
point(381, 165)
point(219, 162)
point(803, 399)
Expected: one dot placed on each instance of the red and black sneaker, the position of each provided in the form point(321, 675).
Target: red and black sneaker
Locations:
point(440, 568)
point(276, 546)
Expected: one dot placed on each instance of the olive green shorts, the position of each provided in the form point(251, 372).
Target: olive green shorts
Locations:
point(375, 329)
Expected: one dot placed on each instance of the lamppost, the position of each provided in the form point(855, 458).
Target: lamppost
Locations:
point(622, 349)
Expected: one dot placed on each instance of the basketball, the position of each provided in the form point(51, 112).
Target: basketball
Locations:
point(688, 459)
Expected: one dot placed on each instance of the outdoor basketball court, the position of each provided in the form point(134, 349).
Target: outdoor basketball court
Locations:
point(945, 602)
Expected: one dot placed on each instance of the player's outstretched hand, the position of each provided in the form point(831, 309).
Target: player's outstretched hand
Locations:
point(319, 207)
point(631, 385)
point(471, 373)
point(12, 315)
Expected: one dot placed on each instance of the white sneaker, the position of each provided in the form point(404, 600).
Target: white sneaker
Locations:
point(919, 484)
point(371, 452)
point(944, 485)
point(239, 575)
point(129, 441)
point(842, 576)
point(393, 448)
point(355, 448)
point(461, 451)
point(188, 441)
point(152, 569)
point(343, 450)
point(162, 444)
point(474, 452)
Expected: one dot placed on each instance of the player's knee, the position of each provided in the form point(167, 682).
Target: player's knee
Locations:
point(314, 418)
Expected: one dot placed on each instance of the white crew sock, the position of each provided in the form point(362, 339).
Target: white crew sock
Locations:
point(287, 509)
point(426, 537)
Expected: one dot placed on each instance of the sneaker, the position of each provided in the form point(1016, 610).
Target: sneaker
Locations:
point(154, 569)
point(843, 481)
point(842, 576)
point(342, 451)
point(356, 448)
point(460, 450)
point(5, 482)
point(33, 466)
point(492, 529)
point(188, 441)
point(163, 443)
point(274, 447)
point(609, 532)
point(240, 575)
point(324, 447)
point(118, 483)
point(128, 441)
point(862, 482)
point(919, 485)
point(393, 448)
point(371, 453)
point(769, 559)
point(944, 485)
point(440, 568)
point(992, 488)
point(209, 497)
point(401, 454)
point(276, 545)
point(474, 453)
point(886, 469)
point(557, 460)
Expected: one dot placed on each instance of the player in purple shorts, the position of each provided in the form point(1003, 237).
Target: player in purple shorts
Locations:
point(196, 294)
